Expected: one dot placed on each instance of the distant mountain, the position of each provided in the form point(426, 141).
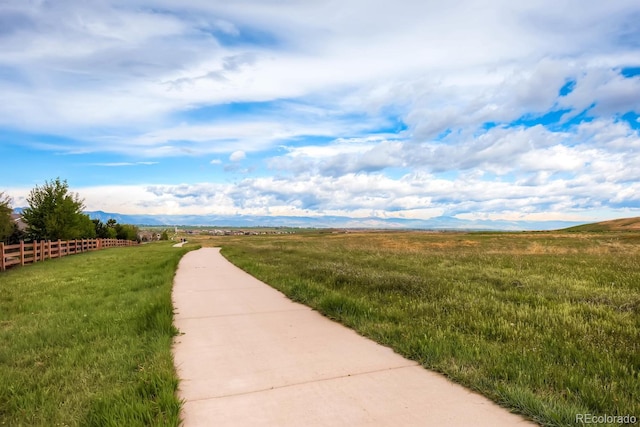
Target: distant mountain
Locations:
point(437, 223)
point(128, 219)
point(623, 224)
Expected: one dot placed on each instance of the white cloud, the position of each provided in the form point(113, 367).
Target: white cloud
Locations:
point(374, 194)
point(394, 108)
point(341, 157)
point(236, 156)
point(603, 90)
point(317, 49)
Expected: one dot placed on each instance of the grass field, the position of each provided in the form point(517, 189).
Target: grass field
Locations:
point(86, 340)
point(547, 324)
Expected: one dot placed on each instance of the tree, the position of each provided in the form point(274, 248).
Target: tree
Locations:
point(111, 228)
point(105, 231)
point(85, 228)
point(55, 213)
point(6, 223)
point(16, 235)
point(126, 232)
point(100, 228)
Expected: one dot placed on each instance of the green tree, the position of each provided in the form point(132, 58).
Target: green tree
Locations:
point(85, 228)
point(102, 231)
point(55, 213)
point(6, 223)
point(105, 231)
point(126, 232)
point(100, 228)
point(16, 235)
point(111, 228)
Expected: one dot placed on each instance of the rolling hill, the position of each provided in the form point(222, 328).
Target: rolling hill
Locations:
point(623, 224)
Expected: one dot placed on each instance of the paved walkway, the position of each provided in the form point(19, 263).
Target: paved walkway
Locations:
point(248, 356)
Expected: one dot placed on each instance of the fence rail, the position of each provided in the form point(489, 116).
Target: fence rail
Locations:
point(27, 253)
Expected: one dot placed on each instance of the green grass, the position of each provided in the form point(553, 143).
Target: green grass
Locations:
point(546, 324)
point(86, 340)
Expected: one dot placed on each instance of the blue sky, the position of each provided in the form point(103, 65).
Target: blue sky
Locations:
point(403, 109)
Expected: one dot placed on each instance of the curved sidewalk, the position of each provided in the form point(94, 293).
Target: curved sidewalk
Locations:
point(248, 356)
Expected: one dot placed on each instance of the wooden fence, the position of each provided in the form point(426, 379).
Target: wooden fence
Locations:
point(26, 253)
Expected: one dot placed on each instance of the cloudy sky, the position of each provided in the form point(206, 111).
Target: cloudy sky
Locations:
point(397, 109)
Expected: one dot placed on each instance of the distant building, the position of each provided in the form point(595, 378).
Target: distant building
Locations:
point(148, 236)
point(19, 221)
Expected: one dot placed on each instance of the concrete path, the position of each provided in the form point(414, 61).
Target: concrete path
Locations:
point(248, 356)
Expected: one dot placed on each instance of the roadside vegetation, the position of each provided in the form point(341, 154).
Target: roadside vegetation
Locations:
point(546, 324)
point(86, 340)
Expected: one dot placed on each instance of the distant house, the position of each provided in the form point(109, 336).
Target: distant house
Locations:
point(19, 221)
point(148, 236)
point(145, 236)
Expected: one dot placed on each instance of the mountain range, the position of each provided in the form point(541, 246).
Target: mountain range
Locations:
point(437, 223)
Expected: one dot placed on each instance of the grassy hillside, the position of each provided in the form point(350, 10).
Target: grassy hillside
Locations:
point(546, 324)
point(624, 224)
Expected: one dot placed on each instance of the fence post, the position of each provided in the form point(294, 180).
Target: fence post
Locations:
point(2, 267)
point(35, 251)
point(21, 252)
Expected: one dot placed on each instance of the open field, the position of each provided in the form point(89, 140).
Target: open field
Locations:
point(544, 323)
point(86, 340)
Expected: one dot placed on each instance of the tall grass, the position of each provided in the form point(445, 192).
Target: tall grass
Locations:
point(547, 324)
point(86, 340)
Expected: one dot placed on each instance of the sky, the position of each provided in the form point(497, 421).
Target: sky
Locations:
point(362, 108)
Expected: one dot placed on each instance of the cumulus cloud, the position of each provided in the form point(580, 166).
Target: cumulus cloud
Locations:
point(236, 156)
point(341, 157)
point(409, 108)
point(378, 195)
